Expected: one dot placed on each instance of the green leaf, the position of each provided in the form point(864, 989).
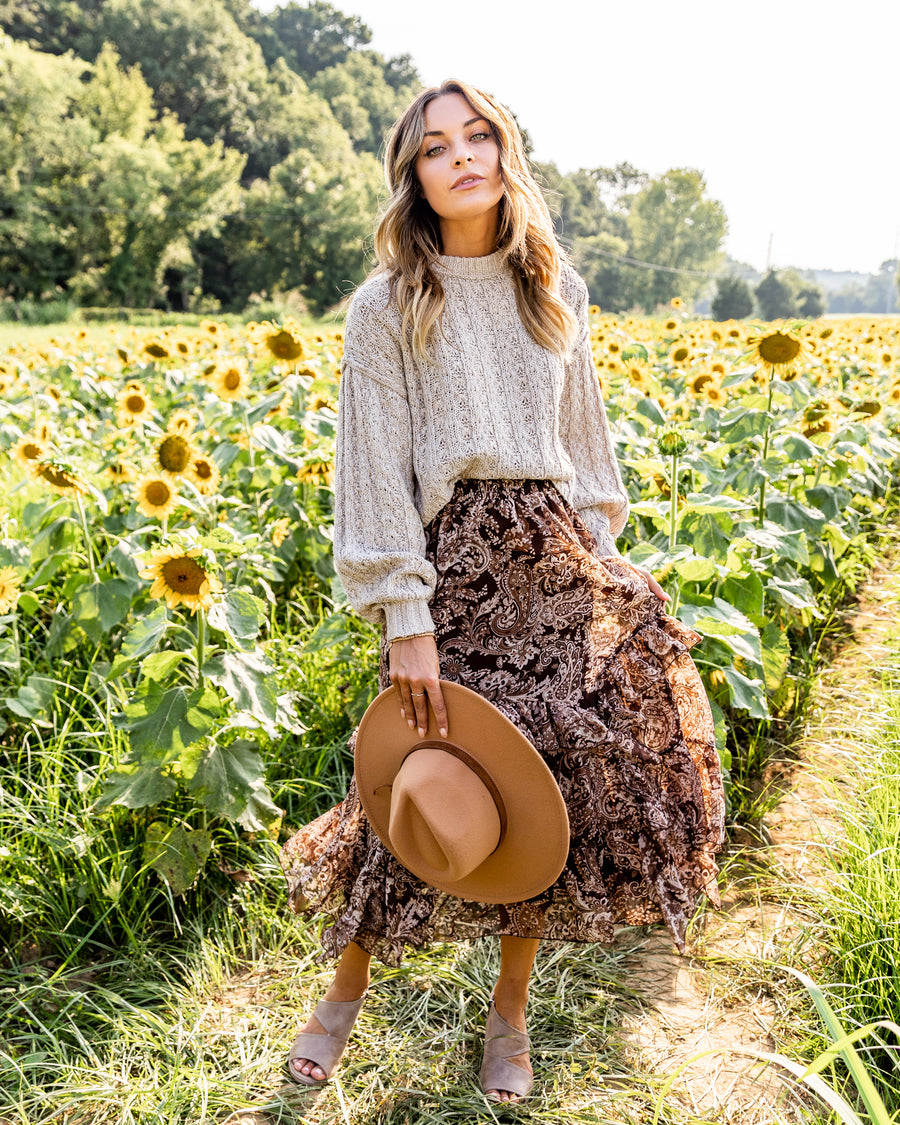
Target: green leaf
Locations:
point(794, 592)
point(649, 408)
point(248, 680)
point(230, 782)
point(776, 655)
point(791, 515)
point(142, 638)
point(138, 785)
point(748, 695)
point(699, 503)
point(719, 619)
point(783, 544)
point(158, 665)
point(169, 720)
point(177, 854)
point(33, 697)
point(28, 603)
point(102, 605)
point(238, 616)
point(332, 631)
point(798, 448)
point(695, 568)
point(745, 592)
point(743, 425)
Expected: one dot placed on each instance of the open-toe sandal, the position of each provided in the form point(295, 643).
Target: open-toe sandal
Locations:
point(325, 1050)
point(502, 1042)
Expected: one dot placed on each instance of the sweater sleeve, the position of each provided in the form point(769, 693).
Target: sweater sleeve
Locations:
point(379, 540)
point(597, 492)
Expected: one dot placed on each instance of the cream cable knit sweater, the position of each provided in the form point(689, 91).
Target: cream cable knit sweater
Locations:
point(492, 405)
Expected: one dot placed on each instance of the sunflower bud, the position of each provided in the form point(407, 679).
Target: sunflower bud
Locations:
point(671, 441)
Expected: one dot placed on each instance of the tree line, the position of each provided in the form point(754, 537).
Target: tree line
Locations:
point(206, 155)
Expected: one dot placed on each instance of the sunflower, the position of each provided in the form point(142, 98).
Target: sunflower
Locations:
point(133, 405)
point(671, 325)
point(59, 477)
point(181, 579)
point(819, 426)
point(156, 350)
point(677, 303)
point(894, 394)
point(283, 342)
point(870, 407)
point(714, 394)
point(29, 450)
point(316, 472)
point(182, 347)
point(9, 588)
point(204, 475)
point(174, 454)
point(156, 496)
point(182, 422)
point(680, 355)
point(697, 382)
point(638, 375)
point(232, 382)
point(778, 349)
point(280, 529)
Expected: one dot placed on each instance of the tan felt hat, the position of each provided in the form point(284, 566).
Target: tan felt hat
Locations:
point(477, 814)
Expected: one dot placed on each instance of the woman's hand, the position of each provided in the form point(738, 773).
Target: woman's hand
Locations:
point(653, 584)
point(416, 672)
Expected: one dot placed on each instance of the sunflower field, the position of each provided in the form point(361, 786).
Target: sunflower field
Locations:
point(178, 664)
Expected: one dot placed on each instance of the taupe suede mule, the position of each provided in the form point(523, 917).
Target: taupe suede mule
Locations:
point(326, 1051)
point(502, 1041)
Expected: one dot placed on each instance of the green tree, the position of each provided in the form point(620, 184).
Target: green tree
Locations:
point(810, 301)
point(311, 37)
point(776, 297)
point(97, 196)
point(361, 97)
point(305, 228)
point(733, 299)
point(675, 226)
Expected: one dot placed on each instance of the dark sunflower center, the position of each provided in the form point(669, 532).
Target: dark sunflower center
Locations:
point(134, 404)
point(231, 379)
point(30, 451)
point(156, 350)
point(57, 477)
point(158, 493)
point(284, 346)
point(183, 575)
point(203, 469)
point(174, 454)
point(778, 348)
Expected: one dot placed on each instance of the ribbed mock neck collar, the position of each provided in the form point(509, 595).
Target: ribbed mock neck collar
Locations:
point(490, 265)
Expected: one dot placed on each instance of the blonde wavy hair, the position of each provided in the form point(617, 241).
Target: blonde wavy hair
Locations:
point(408, 237)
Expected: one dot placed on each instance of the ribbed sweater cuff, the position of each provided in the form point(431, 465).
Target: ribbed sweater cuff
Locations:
point(406, 619)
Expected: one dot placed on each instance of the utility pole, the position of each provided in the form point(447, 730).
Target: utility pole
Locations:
point(769, 252)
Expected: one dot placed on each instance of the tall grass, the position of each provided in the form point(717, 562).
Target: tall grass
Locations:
point(860, 906)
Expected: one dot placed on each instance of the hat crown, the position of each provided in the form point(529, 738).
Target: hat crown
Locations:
point(431, 781)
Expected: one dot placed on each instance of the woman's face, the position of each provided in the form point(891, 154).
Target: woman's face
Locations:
point(458, 166)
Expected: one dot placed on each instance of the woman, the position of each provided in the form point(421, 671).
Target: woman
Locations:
point(477, 504)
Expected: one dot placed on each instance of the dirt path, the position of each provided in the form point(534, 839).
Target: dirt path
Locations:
point(719, 1001)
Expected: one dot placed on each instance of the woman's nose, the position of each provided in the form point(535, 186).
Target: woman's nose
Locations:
point(463, 158)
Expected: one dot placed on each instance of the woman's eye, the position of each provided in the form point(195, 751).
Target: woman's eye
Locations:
point(433, 150)
point(479, 136)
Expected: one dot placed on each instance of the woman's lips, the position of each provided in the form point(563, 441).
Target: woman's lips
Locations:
point(466, 182)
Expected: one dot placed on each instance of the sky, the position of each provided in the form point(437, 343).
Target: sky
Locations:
point(789, 109)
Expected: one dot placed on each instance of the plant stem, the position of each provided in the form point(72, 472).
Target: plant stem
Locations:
point(88, 543)
point(673, 508)
point(201, 641)
point(761, 510)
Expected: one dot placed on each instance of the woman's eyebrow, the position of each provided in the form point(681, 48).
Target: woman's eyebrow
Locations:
point(466, 124)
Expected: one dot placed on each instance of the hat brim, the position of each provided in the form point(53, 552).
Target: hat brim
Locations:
point(533, 851)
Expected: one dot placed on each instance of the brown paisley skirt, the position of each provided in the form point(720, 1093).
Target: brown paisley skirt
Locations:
point(578, 653)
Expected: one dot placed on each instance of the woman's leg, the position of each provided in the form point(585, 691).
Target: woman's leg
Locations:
point(511, 992)
point(351, 979)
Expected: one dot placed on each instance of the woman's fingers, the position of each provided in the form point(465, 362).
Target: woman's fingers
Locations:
point(415, 671)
